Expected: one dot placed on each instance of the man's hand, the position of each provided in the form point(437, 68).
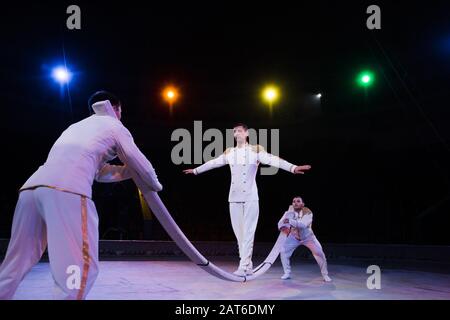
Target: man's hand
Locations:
point(189, 171)
point(300, 169)
point(285, 230)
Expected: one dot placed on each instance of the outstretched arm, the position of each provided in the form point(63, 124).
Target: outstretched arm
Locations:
point(211, 164)
point(269, 159)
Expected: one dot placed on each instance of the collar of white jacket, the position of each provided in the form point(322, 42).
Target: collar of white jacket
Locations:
point(104, 108)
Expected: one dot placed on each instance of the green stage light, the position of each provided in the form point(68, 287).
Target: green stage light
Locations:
point(365, 79)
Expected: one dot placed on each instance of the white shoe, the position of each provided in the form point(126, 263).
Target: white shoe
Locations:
point(326, 278)
point(239, 273)
point(286, 276)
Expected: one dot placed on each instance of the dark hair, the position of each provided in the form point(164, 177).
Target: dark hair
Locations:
point(297, 197)
point(102, 96)
point(243, 125)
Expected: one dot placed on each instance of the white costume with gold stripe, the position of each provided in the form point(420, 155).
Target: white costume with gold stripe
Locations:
point(301, 233)
point(55, 208)
point(243, 196)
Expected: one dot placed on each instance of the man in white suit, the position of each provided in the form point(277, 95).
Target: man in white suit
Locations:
point(55, 206)
point(243, 197)
point(297, 224)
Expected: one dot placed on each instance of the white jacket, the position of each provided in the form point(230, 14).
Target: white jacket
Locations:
point(243, 164)
point(80, 154)
point(300, 223)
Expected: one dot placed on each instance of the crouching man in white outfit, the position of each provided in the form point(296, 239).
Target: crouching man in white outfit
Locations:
point(297, 224)
point(243, 197)
point(55, 207)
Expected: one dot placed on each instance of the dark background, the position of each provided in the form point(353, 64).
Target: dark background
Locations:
point(380, 157)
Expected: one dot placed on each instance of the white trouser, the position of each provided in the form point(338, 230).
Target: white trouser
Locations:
point(311, 243)
point(69, 224)
point(244, 218)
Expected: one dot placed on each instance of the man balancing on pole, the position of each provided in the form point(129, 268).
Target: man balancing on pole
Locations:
point(243, 197)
